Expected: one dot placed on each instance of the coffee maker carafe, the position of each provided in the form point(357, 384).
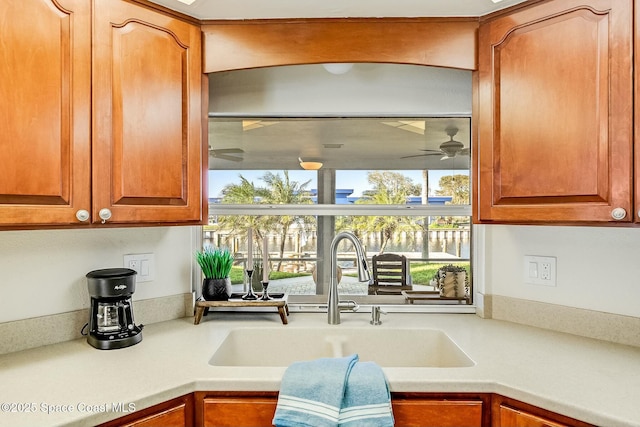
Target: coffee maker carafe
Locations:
point(111, 323)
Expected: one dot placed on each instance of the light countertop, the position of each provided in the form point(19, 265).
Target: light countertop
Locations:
point(594, 381)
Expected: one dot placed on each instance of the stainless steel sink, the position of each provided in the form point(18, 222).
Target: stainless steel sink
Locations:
point(387, 347)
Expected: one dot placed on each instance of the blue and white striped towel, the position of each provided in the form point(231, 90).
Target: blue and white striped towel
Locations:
point(367, 400)
point(311, 392)
point(331, 392)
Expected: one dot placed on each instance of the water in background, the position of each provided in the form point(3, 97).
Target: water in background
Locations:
point(452, 242)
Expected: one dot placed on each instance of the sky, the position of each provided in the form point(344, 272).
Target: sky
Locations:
point(353, 179)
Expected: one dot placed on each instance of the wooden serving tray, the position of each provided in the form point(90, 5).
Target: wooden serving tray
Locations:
point(278, 300)
point(412, 296)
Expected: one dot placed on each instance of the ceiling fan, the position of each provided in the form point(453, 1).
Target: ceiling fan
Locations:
point(448, 149)
point(232, 154)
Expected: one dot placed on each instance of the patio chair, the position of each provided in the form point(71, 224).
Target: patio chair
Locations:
point(391, 275)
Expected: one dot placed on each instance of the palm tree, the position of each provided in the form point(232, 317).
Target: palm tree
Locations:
point(389, 188)
point(244, 193)
point(278, 190)
point(281, 190)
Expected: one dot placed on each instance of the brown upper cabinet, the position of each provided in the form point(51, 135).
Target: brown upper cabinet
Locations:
point(102, 115)
point(45, 111)
point(554, 114)
point(147, 115)
point(103, 111)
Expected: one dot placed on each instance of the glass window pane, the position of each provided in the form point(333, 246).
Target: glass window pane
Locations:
point(292, 244)
point(420, 160)
point(262, 187)
point(398, 187)
point(383, 187)
point(368, 169)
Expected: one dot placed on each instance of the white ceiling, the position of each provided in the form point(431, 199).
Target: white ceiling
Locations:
point(274, 9)
point(355, 143)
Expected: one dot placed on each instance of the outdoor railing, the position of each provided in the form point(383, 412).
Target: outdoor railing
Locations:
point(306, 264)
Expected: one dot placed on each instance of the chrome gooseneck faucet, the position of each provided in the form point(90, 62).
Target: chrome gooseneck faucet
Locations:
point(333, 304)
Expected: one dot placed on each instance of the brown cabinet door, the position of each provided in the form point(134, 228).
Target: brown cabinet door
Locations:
point(554, 113)
point(510, 417)
point(178, 412)
point(147, 116)
point(170, 417)
point(507, 412)
point(437, 413)
point(45, 104)
point(247, 410)
point(239, 411)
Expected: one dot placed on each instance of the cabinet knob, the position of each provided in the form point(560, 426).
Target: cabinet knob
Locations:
point(104, 214)
point(618, 214)
point(82, 215)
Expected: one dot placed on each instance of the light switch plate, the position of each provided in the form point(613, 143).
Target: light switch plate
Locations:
point(143, 264)
point(540, 270)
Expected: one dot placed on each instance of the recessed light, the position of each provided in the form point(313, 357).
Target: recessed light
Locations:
point(338, 67)
point(495, 1)
point(189, 2)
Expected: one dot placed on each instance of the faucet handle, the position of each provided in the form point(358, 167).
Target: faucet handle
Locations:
point(348, 305)
point(375, 315)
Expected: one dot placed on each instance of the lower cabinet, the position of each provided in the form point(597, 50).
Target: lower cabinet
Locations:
point(256, 409)
point(409, 409)
point(178, 412)
point(519, 418)
point(507, 412)
point(222, 409)
point(447, 410)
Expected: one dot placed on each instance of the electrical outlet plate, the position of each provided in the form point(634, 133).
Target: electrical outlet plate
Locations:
point(143, 264)
point(540, 270)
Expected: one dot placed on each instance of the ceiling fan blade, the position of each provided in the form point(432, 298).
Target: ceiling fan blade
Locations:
point(216, 151)
point(226, 154)
point(464, 151)
point(227, 157)
point(432, 153)
point(256, 124)
point(435, 153)
point(232, 158)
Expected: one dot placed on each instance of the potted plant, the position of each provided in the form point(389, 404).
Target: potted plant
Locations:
point(452, 281)
point(215, 264)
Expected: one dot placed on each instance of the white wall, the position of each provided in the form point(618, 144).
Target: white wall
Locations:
point(597, 267)
point(42, 272)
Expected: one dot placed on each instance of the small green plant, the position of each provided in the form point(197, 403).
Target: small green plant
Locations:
point(441, 275)
point(450, 268)
point(215, 263)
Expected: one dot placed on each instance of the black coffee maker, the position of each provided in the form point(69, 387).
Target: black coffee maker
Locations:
point(111, 322)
